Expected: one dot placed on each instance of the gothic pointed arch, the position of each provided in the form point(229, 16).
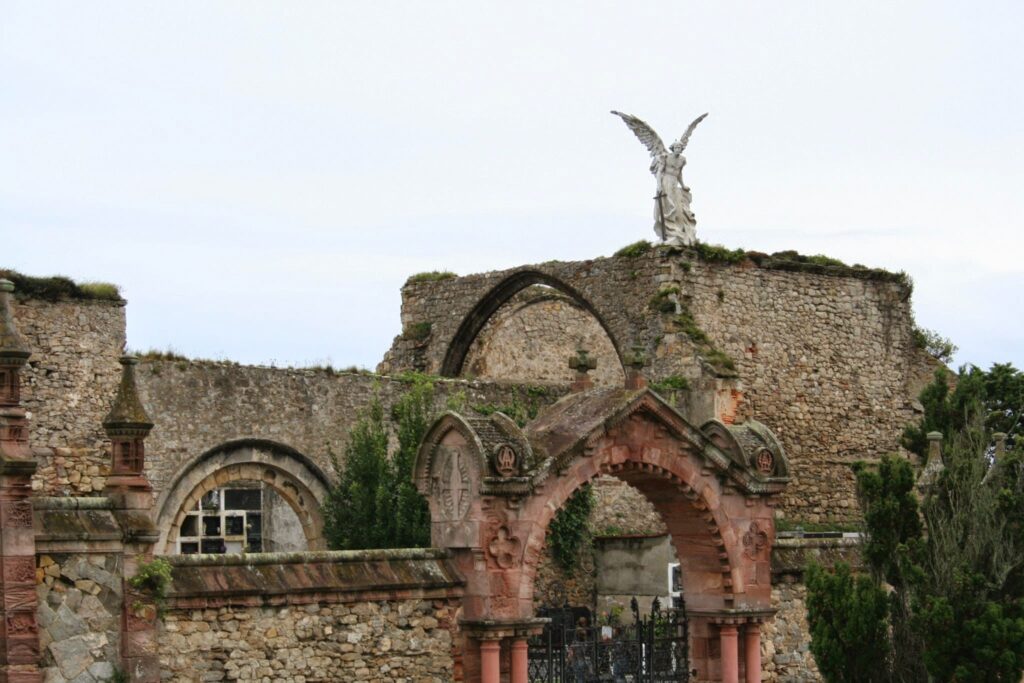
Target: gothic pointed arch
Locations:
point(495, 298)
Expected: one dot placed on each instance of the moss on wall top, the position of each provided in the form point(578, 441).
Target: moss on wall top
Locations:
point(58, 287)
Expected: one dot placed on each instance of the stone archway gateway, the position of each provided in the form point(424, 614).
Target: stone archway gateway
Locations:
point(493, 488)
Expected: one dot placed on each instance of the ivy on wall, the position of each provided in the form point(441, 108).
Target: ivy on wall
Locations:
point(570, 529)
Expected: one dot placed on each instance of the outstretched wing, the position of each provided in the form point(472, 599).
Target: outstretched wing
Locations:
point(644, 133)
point(689, 131)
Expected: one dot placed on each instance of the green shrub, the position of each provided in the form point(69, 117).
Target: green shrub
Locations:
point(431, 276)
point(417, 331)
point(716, 253)
point(662, 301)
point(636, 249)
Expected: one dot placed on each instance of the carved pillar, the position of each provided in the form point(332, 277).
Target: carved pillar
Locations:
point(520, 661)
point(752, 652)
point(127, 426)
point(728, 634)
point(490, 661)
point(19, 631)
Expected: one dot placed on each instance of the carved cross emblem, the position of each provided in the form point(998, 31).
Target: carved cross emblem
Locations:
point(504, 548)
point(754, 541)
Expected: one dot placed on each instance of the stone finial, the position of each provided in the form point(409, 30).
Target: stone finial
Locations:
point(582, 363)
point(1000, 443)
point(635, 362)
point(13, 351)
point(127, 425)
point(934, 466)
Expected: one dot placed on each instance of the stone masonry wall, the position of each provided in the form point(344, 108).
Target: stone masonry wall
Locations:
point(532, 337)
point(404, 640)
point(67, 388)
point(823, 356)
point(198, 406)
point(79, 615)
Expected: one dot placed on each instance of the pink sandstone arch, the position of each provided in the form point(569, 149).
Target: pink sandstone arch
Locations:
point(494, 488)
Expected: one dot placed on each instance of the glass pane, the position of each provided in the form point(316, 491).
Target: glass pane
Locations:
point(189, 548)
point(211, 526)
point(190, 526)
point(233, 547)
point(213, 545)
point(235, 525)
point(243, 499)
point(211, 501)
point(254, 532)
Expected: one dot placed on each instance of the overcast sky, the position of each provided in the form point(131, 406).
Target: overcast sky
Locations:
point(260, 178)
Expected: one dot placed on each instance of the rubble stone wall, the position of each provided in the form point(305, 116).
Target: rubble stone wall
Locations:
point(67, 388)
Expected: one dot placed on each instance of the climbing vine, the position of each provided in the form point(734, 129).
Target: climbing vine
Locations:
point(570, 529)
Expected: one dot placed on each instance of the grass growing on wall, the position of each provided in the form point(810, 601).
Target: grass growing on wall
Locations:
point(59, 287)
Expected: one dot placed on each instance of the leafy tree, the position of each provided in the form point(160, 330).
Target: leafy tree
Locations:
point(847, 614)
point(375, 503)
point(953, 566)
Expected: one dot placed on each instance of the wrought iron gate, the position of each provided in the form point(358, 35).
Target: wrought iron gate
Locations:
point(652, 649)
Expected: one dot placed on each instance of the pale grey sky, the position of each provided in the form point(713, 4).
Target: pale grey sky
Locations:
point(260, 178)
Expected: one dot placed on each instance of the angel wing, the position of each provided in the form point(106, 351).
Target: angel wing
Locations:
point(645, 133)
point(689, 131)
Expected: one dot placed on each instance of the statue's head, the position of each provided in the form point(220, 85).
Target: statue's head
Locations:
point(677, 147)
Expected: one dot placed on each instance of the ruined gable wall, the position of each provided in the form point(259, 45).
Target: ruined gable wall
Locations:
point(823, 356)
point(67, 388)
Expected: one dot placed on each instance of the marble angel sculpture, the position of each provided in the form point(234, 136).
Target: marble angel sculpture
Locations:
point(674, 222)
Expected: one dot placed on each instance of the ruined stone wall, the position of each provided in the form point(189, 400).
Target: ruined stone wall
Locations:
point(198, 406)
point(822, 355)
point(67, 388)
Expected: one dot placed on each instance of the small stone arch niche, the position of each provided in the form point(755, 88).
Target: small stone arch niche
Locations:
point(531, 336)
point(243, 497)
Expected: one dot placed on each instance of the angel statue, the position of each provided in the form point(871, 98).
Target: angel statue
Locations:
point(674, 223)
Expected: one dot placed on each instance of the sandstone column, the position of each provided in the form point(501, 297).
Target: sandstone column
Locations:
point(728, 633)
point(520, 661)
point(19, 631)
point(490, 661)
point(752, 652)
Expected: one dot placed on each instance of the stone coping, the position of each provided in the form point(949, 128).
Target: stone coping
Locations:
point(306, 557)
point(72, 503)
point(790, 556)
point(318, 577)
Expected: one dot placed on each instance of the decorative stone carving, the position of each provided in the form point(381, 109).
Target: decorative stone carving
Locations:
point(452, 482)
point(504, 548)
point(755, 541)
point(674, 222)
point(506, 461)
point(765, 461)
point(20, 623)
point(16, 514)
point(19, 597)
point(19, 569)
